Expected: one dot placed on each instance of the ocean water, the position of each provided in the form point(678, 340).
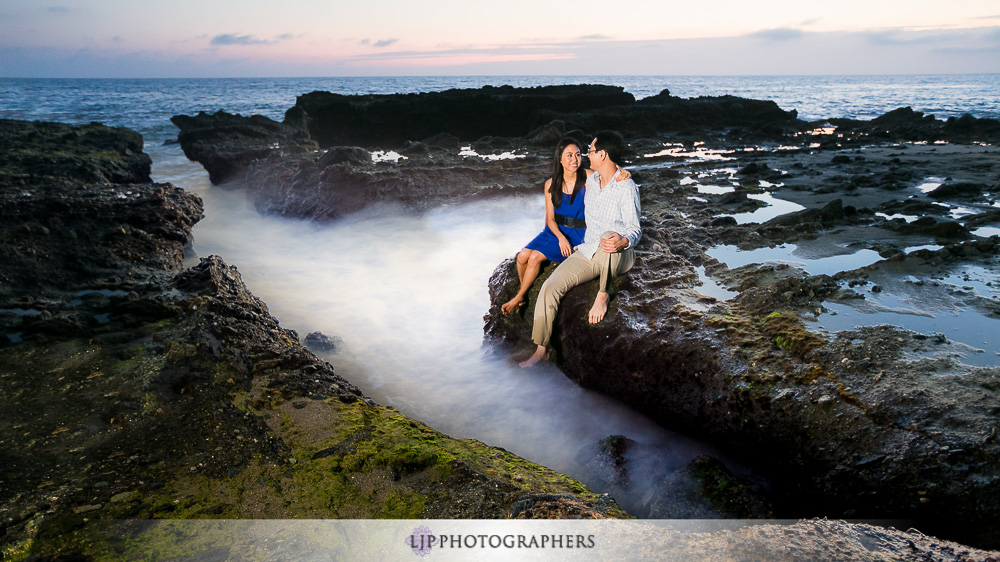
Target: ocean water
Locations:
point(147, 104)
point(407, 293)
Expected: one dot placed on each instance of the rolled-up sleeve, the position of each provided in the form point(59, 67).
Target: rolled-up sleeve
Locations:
point(630, 212)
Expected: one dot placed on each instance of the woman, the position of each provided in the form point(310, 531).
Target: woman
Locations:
point(564, 223)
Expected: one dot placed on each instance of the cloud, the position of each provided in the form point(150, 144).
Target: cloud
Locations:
point(385, 42)
point(778, 34)
point(901, 37)
point(365, 41)
point(231, 39)
point(58, 9)
point(594, 37)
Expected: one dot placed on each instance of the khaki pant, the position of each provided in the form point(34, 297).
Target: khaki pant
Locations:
point(576, 270)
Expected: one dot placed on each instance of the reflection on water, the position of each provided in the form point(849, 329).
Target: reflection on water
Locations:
point(711, 288)
point(407, 295)
point(957, 305)
point(907, 218)
point(716, 189)
point(699, 153)
point(986, 231)
point(930, 184)
point(963, 325)
point(830, 262)
point(775, 208)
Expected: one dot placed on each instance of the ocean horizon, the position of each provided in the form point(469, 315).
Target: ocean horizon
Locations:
point(146, 104)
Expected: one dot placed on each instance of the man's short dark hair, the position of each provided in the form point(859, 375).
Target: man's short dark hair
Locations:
point(613, 143)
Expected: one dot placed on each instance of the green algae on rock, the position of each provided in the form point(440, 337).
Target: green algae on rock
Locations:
point(135, 389)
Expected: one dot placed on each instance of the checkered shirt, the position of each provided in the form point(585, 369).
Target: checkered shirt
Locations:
point(614, 208)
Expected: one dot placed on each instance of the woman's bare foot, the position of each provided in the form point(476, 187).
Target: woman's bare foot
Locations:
point(599, 309)
point(540, 354)
point(510, 305)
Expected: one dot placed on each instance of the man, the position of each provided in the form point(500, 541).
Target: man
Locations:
point(612, 215)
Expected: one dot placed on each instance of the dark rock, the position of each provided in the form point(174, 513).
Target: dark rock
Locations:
point(803, 408)
point(912, 207)
point(905, 124)
point(320, 342)
point(415, 149)
point(625, 469)
point(299, 187)
point(706, 489)
point(467, 114)
point(833, 213)
point(663, 112)
point(340, 154)
point(723, 221)
point(753, 169)
point(733, 198)
point(542, 505)
point(548, 135)
point(60, 326)
point(443, 140)
point(35, 152)
point(144, 372)
point(225, 144)
point(989, 217)
point(134, 229)
point(949, 229)
point(284, 177)
point(968, 127)
point(958, 190)
point(841, 159)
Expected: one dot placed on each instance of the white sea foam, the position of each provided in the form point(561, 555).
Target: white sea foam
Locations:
point(407, 294)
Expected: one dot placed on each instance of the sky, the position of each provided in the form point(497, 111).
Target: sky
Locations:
point(291, 38)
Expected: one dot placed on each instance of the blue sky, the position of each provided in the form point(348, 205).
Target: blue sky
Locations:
point(226, 38)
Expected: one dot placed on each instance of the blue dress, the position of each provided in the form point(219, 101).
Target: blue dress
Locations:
point(547, 243)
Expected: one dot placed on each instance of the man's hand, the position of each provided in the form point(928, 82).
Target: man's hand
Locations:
point(613, 243)
point(565, 248)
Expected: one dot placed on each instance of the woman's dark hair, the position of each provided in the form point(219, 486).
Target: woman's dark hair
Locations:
point(555, 191)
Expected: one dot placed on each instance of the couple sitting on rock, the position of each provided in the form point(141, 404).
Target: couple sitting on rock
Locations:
point(591, 222)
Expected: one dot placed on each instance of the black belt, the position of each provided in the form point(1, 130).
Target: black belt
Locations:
point(570, 222)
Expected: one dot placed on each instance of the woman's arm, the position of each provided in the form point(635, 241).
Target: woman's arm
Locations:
point(565, 248)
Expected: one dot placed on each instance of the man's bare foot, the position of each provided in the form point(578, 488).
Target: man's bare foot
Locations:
point(540, 354)
point(510, 305)
point(599, 309)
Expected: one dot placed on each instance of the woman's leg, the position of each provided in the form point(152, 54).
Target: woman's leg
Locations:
point(520, 263)
point(532, 260)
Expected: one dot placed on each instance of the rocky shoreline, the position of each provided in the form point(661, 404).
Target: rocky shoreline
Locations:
point(128, 356)
point(851, 421)
point(135, 389)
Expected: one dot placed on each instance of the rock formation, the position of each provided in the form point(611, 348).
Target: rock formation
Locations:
point(135, 388)
point(850, 423)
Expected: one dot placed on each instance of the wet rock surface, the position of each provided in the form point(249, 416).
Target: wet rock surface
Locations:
point(391, 120)
point(859, 423)
point(226, 143)
point(87, 154)
point(873, 421)
point(459, 145)
point(509, 132)
point(853, 422)
point(136, 388)
point(649, 485)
